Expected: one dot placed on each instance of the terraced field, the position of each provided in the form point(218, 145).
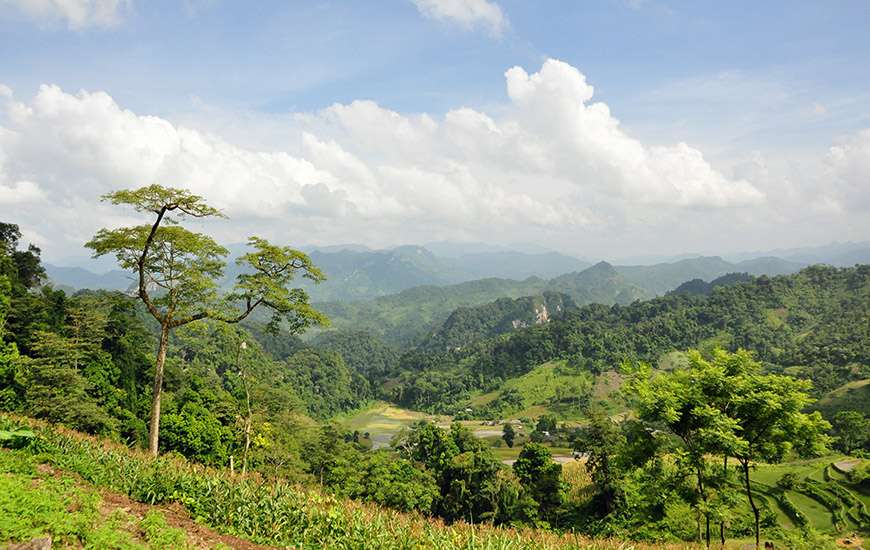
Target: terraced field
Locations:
point(821, 496)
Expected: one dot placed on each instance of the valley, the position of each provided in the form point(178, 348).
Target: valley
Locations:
point(446, 400)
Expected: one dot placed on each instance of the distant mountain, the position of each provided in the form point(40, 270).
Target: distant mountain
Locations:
point(699, 287)
point(356, 273)
point(599, 284)
point(660, 278)
point(516, 265)
point(836, 254)
point(359, 275)
point(78, 278)
point(407, 317)
point(337, 248)
point(453, 249)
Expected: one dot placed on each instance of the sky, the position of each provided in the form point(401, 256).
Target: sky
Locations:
point(599, 128)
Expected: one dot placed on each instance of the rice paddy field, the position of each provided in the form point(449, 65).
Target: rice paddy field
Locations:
point(382, 421)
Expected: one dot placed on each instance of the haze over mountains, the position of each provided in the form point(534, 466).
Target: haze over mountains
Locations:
point(405, 294)
point(355, 272)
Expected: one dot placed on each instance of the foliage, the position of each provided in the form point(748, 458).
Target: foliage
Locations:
point(34, 504)
point(811, 325)
point(726, 407)
point(541, 477)
point(508, 434)
point(178, 272)
point(851, 430)
point(277, 513)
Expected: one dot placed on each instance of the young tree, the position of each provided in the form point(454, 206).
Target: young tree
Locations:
point(508, 434)
point(769, 411)
point(689, 402)
point(178, 273)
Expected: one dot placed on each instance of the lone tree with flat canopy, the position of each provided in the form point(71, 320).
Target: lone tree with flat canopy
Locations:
point(178, 273)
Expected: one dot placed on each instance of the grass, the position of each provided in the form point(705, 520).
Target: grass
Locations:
point(267, 512)
point(35, 503)
point(537, 388)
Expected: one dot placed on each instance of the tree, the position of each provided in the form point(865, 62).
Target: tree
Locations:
point(852, 430)
point(508, 434)
point(602, 441)
point(725, 406)
point(462, 465)
point(541, 476)
point(546, 423)
point(178, 271)
point(695, 404)
point(772, 424)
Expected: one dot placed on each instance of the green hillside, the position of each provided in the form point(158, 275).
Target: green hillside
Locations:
point(850, 396)
point(405, 318)
point(813, 324)
point(549, 388)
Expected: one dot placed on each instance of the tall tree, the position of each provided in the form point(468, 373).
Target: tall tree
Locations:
point(178, 273)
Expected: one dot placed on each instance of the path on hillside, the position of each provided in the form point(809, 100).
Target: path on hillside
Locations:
point(110, 504)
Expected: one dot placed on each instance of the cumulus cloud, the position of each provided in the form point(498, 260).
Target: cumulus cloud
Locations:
point(848, 166)
point(77, 14)
point(585, 143)
point(466, 13)
point(551, 162)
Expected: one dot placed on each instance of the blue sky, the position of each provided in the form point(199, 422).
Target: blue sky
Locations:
point(762, 90)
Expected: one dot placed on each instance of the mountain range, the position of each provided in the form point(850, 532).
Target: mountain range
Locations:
point(357, 273)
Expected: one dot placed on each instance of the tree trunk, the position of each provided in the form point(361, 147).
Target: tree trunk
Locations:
point(706, 510)
point(248, 417)
point(755, 512)
point(724, 482)
point(247, 439)
point(154, 426)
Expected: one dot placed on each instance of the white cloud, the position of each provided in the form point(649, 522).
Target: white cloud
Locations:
point(77, 14)
point(586, 144)
point(20, 192)
point(466, 13)
point(552, 165)
point(848, 166)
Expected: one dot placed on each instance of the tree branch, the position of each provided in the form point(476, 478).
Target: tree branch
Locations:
point(143, 291)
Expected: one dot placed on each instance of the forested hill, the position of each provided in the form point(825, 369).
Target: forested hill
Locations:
point(813, 324)
point(467, 325)
point(406, 318)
